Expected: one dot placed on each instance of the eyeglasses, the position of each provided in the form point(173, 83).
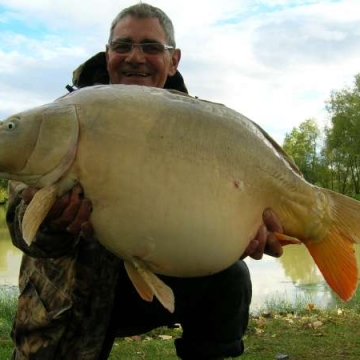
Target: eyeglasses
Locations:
point(123, 47)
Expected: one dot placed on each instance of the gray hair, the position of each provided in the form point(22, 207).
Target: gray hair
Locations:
point(146, 11)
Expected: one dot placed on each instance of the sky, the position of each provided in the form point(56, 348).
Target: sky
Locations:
point(274, 61)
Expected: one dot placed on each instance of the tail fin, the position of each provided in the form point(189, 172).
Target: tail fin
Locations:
point(335, 254)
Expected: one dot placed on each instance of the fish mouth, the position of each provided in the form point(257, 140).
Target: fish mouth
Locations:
point(135, 74)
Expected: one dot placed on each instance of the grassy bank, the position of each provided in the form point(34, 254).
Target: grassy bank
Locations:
point(279, 331)
point(8, 298)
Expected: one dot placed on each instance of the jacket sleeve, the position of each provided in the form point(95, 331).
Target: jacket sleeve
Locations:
point(47, 243)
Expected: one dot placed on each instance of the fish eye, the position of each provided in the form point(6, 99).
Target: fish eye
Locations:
point(11, 124)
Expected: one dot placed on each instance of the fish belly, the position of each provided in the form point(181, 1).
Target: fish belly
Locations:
point(179, 225)
point(180, 184)
point(184, 210)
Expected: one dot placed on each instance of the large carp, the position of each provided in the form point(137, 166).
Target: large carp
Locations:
point(178, 185)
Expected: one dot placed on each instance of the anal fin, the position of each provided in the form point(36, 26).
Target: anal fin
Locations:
point(148, 284)
point(37, 210)
point(139, 283)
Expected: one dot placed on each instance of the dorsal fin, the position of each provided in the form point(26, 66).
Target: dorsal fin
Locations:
point(279, 149)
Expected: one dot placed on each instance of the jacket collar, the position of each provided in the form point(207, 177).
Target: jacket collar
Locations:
point(94, 72)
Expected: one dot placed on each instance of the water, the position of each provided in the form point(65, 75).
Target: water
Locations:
point(10, 256)
point(291, 277)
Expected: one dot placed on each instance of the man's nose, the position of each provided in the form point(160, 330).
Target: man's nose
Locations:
point(136, 54)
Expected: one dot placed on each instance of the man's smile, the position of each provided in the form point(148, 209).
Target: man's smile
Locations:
point(133, 73)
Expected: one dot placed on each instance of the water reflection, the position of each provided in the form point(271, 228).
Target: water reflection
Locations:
point(292, 276)
point(299, 266)
point(10, 257)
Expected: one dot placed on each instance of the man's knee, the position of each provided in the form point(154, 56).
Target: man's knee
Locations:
point(236, 280)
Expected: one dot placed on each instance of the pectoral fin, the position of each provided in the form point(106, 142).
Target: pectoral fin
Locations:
point(37, 210)
point(148, 284)
point(286, 239)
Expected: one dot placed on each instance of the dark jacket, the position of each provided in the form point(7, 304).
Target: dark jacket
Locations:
point(67, 283)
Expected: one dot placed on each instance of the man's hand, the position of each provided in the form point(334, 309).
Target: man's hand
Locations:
point(265, 241)
point(70, 212)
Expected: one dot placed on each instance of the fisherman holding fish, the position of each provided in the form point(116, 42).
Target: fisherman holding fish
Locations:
point(75, 296)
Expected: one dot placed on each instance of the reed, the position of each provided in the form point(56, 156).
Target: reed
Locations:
point(8, 300)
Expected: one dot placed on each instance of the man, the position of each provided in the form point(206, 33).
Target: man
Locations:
point(75, 296)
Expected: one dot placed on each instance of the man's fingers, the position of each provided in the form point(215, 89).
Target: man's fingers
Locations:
point(82, 217)
point(250, 248)
point(78, 190)
point(28, 194)
point(67, 216)
point(71, 211)
point(265, 242)
point(87, 230)
point(58, 208)
point(271, 221)
point(273, 246)
point(66, 208)
point(261, 238)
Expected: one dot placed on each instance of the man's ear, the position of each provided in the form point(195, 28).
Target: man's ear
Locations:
point(107, 55)
point(175, 59)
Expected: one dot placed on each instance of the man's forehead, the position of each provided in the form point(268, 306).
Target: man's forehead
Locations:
point(139, 29)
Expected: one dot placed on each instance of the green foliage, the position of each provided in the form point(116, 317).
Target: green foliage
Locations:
point(331, 158)
point(342, 138)
point(3, 191)
point(303, 144)
point(8, 300)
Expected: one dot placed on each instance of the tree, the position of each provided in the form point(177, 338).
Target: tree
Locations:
point(342, 146)
point(303, 145)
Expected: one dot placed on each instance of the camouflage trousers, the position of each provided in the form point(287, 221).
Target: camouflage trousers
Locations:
point(64, 305)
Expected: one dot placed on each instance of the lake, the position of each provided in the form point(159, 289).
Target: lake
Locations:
point(293, 276)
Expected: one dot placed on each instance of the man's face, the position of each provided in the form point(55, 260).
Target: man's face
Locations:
point(137, 67)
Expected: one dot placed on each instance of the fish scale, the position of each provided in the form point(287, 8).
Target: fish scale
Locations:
point(178, 184)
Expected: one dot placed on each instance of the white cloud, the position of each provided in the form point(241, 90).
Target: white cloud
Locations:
point(274, 61)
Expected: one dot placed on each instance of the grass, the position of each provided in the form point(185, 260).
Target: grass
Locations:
point(305, 331)
point(8, 299)
point(279, 329)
